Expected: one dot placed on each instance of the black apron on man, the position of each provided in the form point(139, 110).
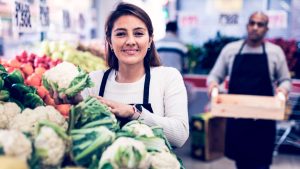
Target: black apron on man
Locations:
point(145, 103)
point(249, 140)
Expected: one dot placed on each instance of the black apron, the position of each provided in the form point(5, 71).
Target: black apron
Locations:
point(249, 140)
point(145, 103)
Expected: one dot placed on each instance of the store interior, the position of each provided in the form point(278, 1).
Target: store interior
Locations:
point(47, 32)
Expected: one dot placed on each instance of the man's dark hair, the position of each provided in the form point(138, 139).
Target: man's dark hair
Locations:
point(171, 26)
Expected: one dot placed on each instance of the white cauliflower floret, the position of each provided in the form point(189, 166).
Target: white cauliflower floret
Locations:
point(15, 144)
point(115, 154)
point(53, 115)
point(164, 160)
point(11, 110)
point(3, 118)
point(138, 129)
point(28, 119)
point(52, 145)
point(8, 111)
point(62, 74)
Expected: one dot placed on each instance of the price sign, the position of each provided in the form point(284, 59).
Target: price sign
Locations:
point(22, 16)
point(44, 16)
point(228, 19)
point(66, 19)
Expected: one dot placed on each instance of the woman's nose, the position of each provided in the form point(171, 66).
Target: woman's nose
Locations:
point(130, 40)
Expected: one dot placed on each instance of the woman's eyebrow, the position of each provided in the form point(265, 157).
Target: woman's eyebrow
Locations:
point(120, 29)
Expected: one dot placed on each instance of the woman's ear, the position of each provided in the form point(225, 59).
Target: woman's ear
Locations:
point(150, 41)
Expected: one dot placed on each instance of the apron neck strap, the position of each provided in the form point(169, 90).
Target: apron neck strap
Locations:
point(263, 47)
point(146, 84)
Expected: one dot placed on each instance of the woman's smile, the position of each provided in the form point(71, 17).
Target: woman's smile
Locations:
point(130, 51)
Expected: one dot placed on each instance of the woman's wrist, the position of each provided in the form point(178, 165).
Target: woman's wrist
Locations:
point(137, 110)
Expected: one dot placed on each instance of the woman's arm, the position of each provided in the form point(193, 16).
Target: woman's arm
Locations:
point(175, 122)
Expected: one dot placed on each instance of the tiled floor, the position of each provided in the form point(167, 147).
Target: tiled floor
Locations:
point(281, 161)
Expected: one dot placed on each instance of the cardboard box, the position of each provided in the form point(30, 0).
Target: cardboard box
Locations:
point(207, 137)
point(248, 106)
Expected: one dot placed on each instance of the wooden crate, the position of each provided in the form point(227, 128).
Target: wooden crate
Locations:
point(207, 137)
point(248, 106)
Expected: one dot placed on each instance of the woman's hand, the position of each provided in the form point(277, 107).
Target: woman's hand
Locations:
point(119, 109)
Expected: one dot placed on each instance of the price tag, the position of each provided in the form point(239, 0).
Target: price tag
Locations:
point(66, 20)
point(44, 16)
point(228, 19)
point(22, 16)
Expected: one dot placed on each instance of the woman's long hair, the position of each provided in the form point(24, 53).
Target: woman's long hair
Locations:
point(151, 58)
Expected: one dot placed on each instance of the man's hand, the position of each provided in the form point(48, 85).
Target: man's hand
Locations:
point(119, 109)
point(282, 91)
point(210, 88)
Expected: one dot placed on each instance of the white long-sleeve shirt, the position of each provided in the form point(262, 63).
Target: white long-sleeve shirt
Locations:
point(167, 96)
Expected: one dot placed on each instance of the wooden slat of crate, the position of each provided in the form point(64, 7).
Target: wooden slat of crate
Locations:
point(248, 106)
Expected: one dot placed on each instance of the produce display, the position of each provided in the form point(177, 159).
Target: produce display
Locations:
point(42, 134)
point(67, 52)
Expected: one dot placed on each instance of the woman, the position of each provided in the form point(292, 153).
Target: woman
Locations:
point(136, 86)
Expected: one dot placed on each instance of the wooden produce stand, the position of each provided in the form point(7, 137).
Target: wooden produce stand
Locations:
point(207, 137)
point(248, 106)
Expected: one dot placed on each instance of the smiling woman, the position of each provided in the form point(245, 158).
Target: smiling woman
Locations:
point(130, 42)
point(136, 86)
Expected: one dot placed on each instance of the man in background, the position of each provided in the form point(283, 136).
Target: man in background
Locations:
point(171, 50)
point(254, 67)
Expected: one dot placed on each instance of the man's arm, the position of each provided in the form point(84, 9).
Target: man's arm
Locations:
point(219, 71)
point(283, 74)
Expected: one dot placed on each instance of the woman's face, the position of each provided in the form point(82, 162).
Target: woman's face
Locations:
point(130, 40)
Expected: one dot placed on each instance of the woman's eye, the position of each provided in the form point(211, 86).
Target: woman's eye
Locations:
point(120, 34)
point(138, 34)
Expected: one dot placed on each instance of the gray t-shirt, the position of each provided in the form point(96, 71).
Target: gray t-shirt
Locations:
point(279, 73)
point(172, 51)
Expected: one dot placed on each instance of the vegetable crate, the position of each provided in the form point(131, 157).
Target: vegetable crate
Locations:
point(208, 135)
point(248, 106)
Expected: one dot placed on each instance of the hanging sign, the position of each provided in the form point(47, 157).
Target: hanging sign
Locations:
point(22, 21)
point(228, 19)
point(44, 15)
point(187, 19)
point(278, 19)
point(66, 19)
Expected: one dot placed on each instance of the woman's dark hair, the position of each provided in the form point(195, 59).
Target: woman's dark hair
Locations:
point(152, 58)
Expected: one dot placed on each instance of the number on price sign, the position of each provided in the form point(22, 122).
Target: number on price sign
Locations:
point(66, 19)
point(44, 16)
point(22, 15)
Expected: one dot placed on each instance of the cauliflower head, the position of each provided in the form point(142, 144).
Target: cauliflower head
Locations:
point(51, 145)
point(62, 74)
point(66, 79)
point(3, 118)
point(163, 160)
point(138, 128)
point(15, 144)
point(11, 110)
point(29, 118)
point(8, 111)
point(127, 153)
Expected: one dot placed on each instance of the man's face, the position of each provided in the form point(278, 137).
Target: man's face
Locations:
point(257, 27)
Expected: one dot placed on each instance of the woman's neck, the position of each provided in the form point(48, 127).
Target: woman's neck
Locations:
point(129, 74)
